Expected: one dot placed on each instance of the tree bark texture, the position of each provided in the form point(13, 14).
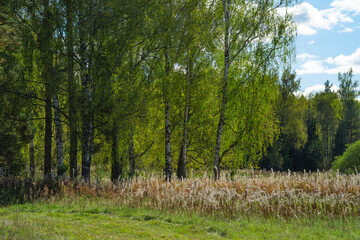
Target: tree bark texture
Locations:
point(86, 79)
point(226, 6)
point(32, 159)
point(168, 170)
point(115, 164)
point(71, 89)
point(58, 138)
point(45, 46)
point(86, 133)
point(131, 155)
point(181, 169)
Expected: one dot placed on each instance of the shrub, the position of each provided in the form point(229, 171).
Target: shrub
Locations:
point(349, 162)
point(15, 190)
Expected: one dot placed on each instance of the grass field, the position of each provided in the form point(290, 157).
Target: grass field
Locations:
point(97, 219)
point(250, 205)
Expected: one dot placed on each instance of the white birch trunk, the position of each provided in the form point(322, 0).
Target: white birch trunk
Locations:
point(226, 5)
point(58, 138)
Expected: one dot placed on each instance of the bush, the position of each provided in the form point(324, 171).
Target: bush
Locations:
point(349, 162)
point(14, 190)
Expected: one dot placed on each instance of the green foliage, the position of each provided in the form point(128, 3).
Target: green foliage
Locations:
point(114, 64)
point(328, 114)
point(253, 122)
point(312, 154)
point(14, 130)
point(349, 162)
point(289, 113)
point(348, 131)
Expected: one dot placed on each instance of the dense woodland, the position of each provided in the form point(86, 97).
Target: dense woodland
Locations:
point(115, 87)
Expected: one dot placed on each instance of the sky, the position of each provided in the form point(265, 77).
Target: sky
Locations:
point(328, 41)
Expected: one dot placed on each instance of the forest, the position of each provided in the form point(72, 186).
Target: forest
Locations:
point(113, 88)
point(176, 119)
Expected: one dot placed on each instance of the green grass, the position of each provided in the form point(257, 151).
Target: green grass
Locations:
point(101, 219)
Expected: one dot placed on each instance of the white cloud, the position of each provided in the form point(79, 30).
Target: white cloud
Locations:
point(305, 30)
point(306, 56)
point(346, 30)
point(347, 5)
point(311, 42)
point(344, 63)
point(334, 88)
point(311, 67)
point(329, 60)
point(330, 65)
point(314, 89)
point(310, 19)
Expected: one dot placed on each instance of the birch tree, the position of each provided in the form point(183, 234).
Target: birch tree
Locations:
point(72, 86)
point(45, 43)
point(249, 26)
point(198, 29)
point(168, 18)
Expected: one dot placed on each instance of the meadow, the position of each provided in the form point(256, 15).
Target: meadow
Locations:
point(247, 205)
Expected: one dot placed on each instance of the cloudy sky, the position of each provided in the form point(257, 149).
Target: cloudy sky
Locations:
point(328, 41)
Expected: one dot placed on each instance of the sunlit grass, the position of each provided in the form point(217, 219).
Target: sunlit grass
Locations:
point(102, 219)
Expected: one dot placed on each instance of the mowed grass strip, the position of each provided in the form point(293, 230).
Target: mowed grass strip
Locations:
point(101, 220)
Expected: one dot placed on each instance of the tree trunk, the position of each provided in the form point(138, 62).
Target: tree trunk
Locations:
point(58, 137)
point(166, 83)
point(168, 171)
point(181, 170)
point(48, 133)
point(181, 167)
point(32, 160)
point(86, 111)
point(86, 133)
point(71, 89)
point(131, 155)
point(116, 171)
point(226, 5)
point(115, 164)
point(86, 148)
point(45, 47)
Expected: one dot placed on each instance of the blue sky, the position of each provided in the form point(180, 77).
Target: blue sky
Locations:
point(328, 41)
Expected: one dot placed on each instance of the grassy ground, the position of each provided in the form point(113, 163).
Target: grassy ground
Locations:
point(101, 219)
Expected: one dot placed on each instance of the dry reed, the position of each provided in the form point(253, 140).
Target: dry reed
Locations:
point(283, 195)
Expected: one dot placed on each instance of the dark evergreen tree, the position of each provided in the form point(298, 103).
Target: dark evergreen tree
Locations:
point(311, 153)
point(349, 126)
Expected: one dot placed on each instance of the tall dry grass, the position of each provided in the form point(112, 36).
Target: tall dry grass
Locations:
point(283, 195)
